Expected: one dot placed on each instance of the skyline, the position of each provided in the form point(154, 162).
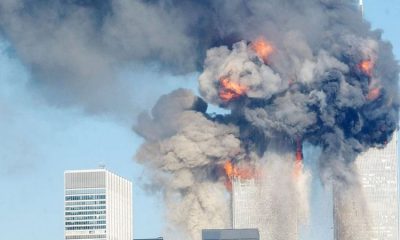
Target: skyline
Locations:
point(70, 139)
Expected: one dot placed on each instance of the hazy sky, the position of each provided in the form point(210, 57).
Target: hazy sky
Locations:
point(38, 142)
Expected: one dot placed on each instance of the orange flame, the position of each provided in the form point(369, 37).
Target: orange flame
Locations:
point(243, 172)
point(373, 93)
point(263, 48)
point(298, 165)
point(230, 90)
point(366, 66)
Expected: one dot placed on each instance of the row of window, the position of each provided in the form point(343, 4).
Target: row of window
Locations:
point(86, 213)
point(86, 236)
point(84, 197)
point(86, 223)
point(86, 217)
point(86, 227)
point(85, 191)
point(85, 203)
point(85, 208)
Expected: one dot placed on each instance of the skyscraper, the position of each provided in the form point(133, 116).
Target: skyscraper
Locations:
point(377, 169)
point(98, 205)
point(246, 200)
point(269, 201)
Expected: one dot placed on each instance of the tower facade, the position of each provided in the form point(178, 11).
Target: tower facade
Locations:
point(97, 205)
point(378, 173)
point(253, 206)
point(246, 209)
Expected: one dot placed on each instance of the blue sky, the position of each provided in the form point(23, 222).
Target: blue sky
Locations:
point(38, 142)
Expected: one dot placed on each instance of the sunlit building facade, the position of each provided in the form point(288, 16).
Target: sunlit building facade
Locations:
point(98, 205)
point(246, 198)
point(378, 172)
point(252, 208)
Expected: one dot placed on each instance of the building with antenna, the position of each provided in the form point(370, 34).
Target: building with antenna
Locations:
point(97, 205)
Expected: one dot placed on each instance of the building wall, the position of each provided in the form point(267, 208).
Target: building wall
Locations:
point(253, 206)
point(119, 208)
point(98, 205)
point(245, 196)
point(378, 173)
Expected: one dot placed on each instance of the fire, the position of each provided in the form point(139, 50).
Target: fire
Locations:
point(228, 167)
point(298, 165)
point(366, 66)
point(243, 172)
point(373, 93)
point(230, 90)
point(263, 48)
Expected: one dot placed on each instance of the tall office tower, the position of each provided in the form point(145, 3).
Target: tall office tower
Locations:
point(230, 234)
point(247, 198)
point(253, 208)
point(98, 205)
point(377, 169)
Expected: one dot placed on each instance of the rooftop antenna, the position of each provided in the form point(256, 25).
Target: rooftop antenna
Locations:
point(361, 7)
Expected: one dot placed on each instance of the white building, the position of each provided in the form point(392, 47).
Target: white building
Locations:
point(377, 169)
point(246, 209)
point(98, 205)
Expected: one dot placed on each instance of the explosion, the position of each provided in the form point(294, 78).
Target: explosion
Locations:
point(366, 66)
point(331, 86)
point(230, 90)
point(263, 48)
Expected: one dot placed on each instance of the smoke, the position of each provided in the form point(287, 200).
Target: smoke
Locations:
point(286, 69)
point(76, 48)
point(183, 148)
point(327, 80)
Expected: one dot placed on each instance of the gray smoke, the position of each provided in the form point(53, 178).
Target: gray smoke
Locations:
point(76, 48)
point(183, 148)
point(311, 87)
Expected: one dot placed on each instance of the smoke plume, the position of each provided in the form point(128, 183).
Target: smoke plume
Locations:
point(286, 69)
point(328, 80)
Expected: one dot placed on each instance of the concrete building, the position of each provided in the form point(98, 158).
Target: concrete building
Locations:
point(98, 205)
point(230, 234)
point(378, 172)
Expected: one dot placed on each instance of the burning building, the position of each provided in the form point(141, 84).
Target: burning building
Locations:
point(285, 71)
point(257, 203)
point(335, 88)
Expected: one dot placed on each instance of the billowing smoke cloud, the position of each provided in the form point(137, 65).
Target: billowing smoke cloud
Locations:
point(329, 81)
point(76, 48)
point(287, 69)
point(184, 147)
